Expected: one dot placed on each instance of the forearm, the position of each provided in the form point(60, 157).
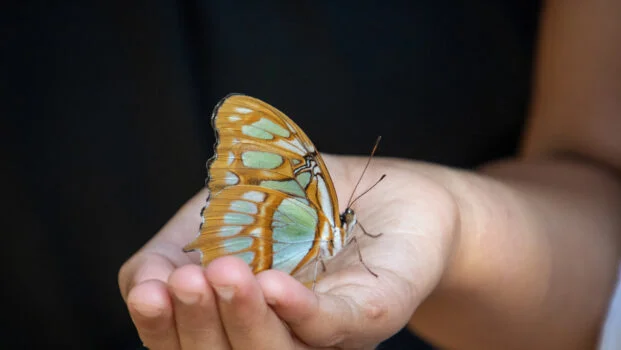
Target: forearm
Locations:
point(576, 104)
point(536, 259)
point(541, 235)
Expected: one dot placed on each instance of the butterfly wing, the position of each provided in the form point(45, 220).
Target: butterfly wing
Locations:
point(272, 201)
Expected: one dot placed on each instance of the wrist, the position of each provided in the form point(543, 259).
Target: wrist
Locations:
point(486, 242)
point(467, 191)
point(451, 197)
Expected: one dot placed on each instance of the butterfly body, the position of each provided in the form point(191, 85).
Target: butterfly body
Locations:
point(272, 202)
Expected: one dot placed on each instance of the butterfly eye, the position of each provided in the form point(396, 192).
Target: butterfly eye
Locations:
point(348, 217)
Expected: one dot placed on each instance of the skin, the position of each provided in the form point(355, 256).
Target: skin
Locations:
point(521, 254)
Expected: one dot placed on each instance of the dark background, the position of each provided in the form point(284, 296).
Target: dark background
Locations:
point(105, 121)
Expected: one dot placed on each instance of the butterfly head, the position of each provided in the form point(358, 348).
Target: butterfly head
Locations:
point(348, 221)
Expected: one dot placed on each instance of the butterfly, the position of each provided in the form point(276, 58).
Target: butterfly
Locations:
point(271, 200)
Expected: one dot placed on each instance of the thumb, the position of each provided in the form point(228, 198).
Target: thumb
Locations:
point(328, 319)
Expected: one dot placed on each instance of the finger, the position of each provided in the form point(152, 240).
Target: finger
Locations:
point(151, 310)
point(248, 320)
point(143, 267)
point(196, 312)
point(345, 319)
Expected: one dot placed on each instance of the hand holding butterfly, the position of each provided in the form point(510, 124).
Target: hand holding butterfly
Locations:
point(470, 253)
point(175, 304)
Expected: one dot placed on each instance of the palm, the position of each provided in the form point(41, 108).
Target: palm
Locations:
point(416, 222)
point(415, 217)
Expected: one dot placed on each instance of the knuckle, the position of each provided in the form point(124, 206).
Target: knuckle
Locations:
point(124, 278)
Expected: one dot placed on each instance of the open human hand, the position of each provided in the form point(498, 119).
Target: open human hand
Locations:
point(176, 304)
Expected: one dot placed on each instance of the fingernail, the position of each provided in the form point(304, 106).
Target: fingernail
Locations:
point(147, 310)
point(188, 298)
point(225, 292)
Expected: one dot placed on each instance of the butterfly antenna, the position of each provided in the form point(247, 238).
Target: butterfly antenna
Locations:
point(350, 202)
point(368, 189)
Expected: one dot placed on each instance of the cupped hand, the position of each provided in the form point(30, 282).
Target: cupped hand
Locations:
point(176, 304)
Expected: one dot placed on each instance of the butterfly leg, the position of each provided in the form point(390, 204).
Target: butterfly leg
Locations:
point(323, 266)
point(360, 257)
point(367, 232)
point(316, 267)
